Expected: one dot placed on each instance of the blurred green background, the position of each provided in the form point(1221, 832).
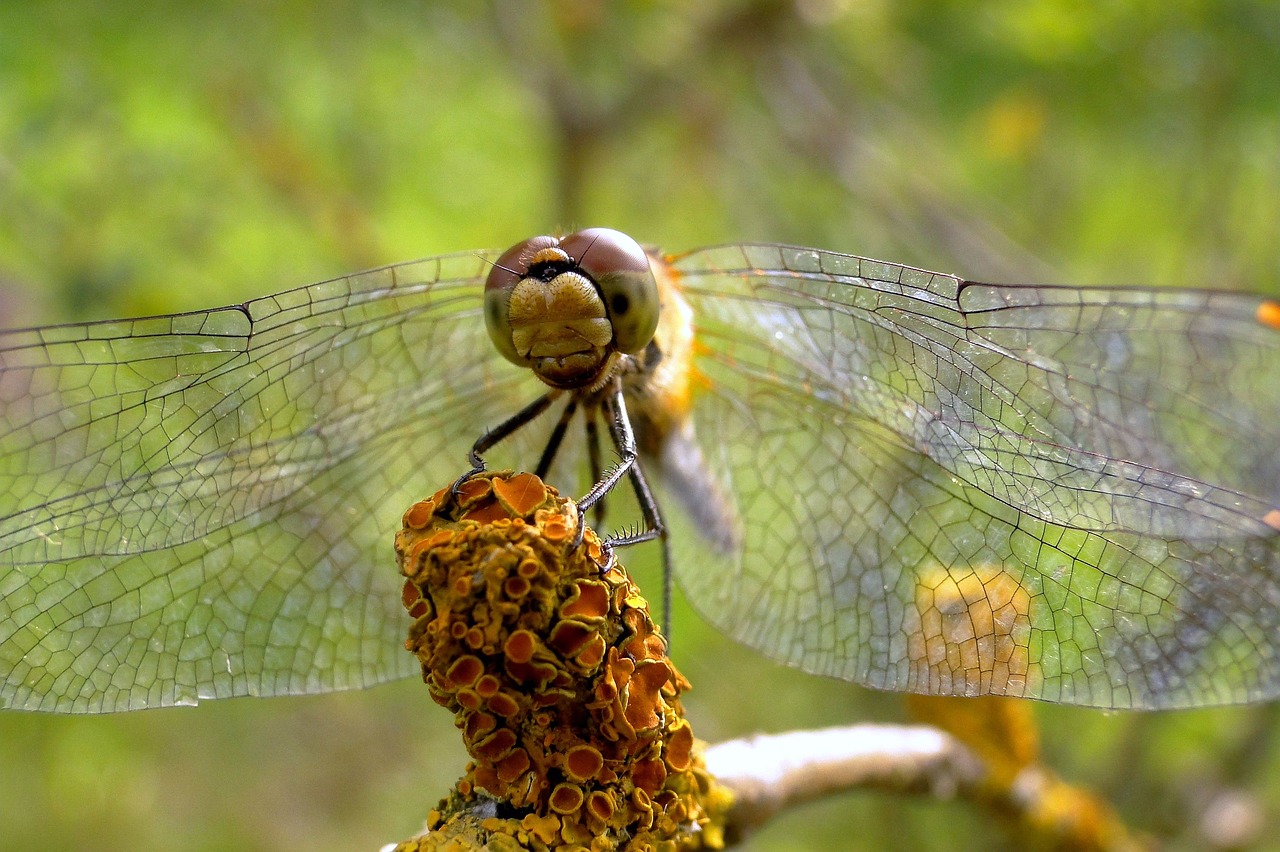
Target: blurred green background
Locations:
point(166, 156)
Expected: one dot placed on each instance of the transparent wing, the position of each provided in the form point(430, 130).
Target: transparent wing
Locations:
point(958, 488)
point(202, 505)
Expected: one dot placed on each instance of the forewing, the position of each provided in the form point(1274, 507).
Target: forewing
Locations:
point(964, 489)
point(202, 505)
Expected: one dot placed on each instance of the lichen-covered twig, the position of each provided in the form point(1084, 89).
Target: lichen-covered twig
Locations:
point(771, 774)
point(558, 679)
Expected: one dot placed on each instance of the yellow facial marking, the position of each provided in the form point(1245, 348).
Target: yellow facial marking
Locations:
point(559, 317)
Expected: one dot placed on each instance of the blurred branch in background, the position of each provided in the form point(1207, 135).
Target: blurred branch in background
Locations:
point(769, 774)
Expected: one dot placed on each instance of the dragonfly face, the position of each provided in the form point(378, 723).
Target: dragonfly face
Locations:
point(874, 472)
point(567, 308)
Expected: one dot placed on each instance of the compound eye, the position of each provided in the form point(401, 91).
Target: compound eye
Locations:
point(620, 268)
point(507, 272)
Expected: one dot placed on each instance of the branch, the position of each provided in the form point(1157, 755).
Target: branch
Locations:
point(769, 774)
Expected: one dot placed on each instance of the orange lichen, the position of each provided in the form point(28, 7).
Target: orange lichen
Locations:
point(590, 599)
point(520, 495)
point(477, 725)
point(566, 798)
point(558, 677)
point(412, 600)
point(569, 637)
point(495, 746)
point(679, 754)
point(516, 587)
point(465, 670)
point(419, 514)
point(650, 775)
point(600, 805)
point(645, 696)
point(520, 646)
point(592, 653)
point(504, 704)
point(583, 762)
point(543, 828)
point(513, 765)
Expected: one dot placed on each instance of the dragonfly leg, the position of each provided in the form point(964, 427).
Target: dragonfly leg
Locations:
point(655, 528)
point(620, 430)
point(501, 432)
point(593, 461)
point(557, 436)
point(615, 411)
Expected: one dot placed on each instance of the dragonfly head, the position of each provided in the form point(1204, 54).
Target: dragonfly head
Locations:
point(568, 307)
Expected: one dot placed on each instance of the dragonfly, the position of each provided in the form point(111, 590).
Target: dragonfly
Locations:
point(897, 477)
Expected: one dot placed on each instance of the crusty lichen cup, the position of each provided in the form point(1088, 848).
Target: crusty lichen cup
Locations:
point(558, 679)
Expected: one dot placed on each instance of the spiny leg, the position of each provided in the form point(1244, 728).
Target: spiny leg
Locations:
point(501, 432)
point(654, 526)
point(593, 459)
point(615, 411)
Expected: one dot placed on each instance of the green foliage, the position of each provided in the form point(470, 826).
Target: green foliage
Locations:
point(158, 157)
